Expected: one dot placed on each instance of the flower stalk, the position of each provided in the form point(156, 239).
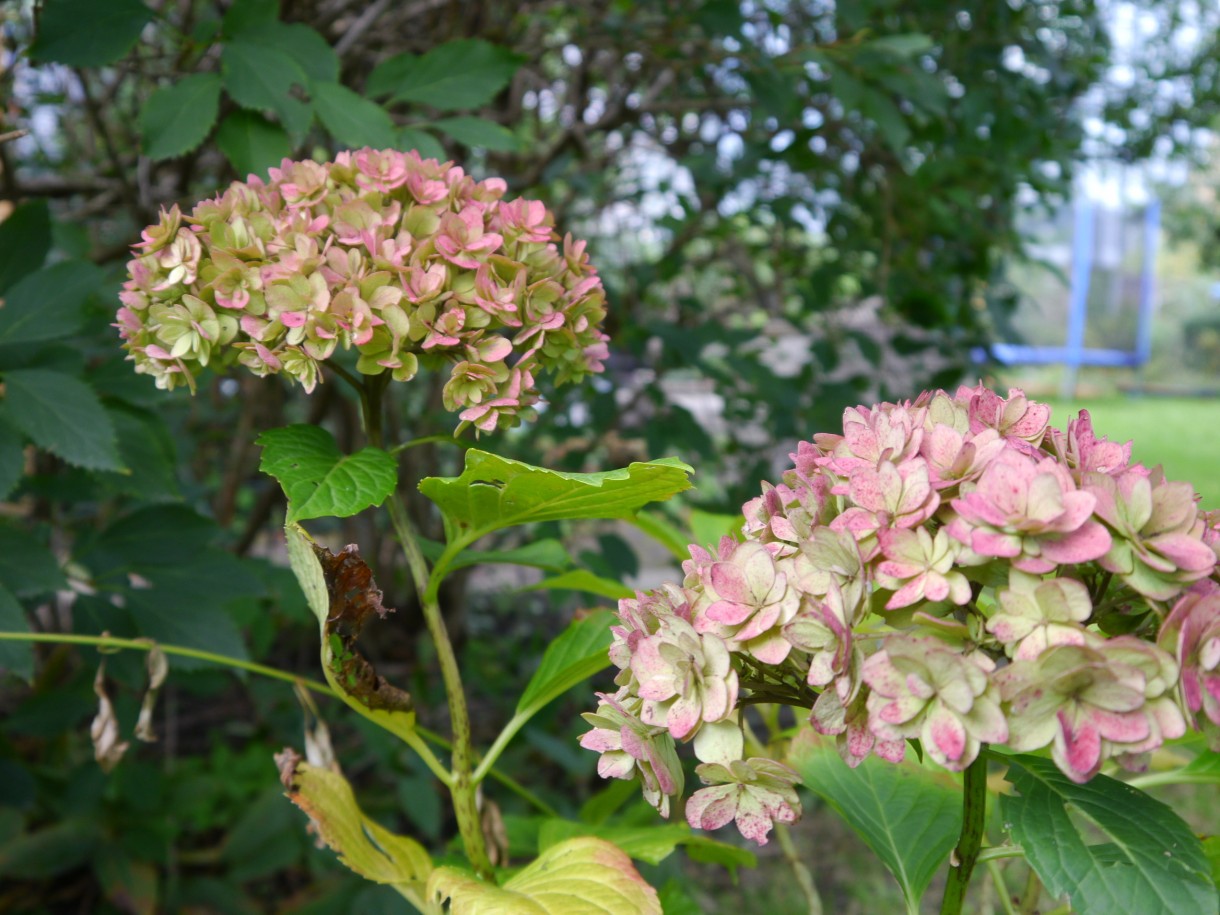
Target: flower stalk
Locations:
point(966, 854)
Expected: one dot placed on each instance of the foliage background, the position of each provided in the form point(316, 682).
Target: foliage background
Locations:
point(795, 207)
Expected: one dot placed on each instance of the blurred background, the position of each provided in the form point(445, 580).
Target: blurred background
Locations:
point(796, 206)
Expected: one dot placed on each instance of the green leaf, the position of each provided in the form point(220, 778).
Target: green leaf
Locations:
point(25, 239)
point(147, 448)
point(909, 816)
point(50, 851)
point(578, 877)
point(908, 45)
point(361, 843)
point(137, 542)
point(578, 653)
point(261, 78)
point(85, 33)
point(547, 554)
point(586, 581)
point(177, 118)
point(62, 415)
point(131, 885)
point(319, 479)
point(709, 527)
point(250, 16)
point(12, 459)
point(306, 46)
point(27, 567)
point(478, 133)
point(15, 657)
point(352, 120)
point(428, 146)
point(665, 532)
point(1152, 861)
point(1211, 848)
point(494, 492)
point(178, 610)
point(308, 572)
point(251, 143)
point(456, 76)
point(46, 305)
point(1204, 769)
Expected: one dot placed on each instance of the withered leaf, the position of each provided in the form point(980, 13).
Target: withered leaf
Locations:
point(354, 597)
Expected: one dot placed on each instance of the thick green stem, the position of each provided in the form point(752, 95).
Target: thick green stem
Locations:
point(462, 787)
point(974, 813)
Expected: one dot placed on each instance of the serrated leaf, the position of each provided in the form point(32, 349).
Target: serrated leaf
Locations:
point(319, 479)
point(583, 580)
point(62, 415)
point(251, 143)
point(262, 78)
point(147, 448)
point(85, 33)
point(352, 120)
point(494, 492)
point(27, 567)
point(137, 543)
point(1152, 863)
point(50, 851)
point(578, 653)
point(16, 658)
point(478, 133)
point(177, 118)
point(25, 239)
point(428, 146)
point(250, 16)
point(908, 815)
point(164, 612)
point(46, 305)
point(364, 845)
point(584, 876)
point(455, 76)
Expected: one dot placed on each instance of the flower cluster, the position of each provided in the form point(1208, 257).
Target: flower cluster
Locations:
point(952, 570)
point(405, 260)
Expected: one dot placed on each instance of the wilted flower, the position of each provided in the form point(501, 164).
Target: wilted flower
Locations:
point(921, 687)
point(753, 792)
point(1087, 703)
point(630, 748)
point(379, 251)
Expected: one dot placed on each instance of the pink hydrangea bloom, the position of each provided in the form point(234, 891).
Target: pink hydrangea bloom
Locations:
point(755, 793)
point(1191, 633)
point(378, 251)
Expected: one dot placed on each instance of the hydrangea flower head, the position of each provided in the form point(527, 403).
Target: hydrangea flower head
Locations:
point(406, 261)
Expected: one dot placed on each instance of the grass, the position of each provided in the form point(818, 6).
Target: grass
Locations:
point(1183, 434)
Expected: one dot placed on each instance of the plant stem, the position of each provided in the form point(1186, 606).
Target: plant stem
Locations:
point(804, 879)
point(1001, 887)
point(974, 811)
point(461, 785)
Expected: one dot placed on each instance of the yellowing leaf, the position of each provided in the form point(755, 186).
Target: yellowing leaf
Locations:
point(369, 849)
point(584, 876)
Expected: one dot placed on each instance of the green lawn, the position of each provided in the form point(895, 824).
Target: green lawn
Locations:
point(1183, 434)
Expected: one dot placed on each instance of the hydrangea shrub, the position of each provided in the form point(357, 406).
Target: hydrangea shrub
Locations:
point(952, 570)
point(401, 259)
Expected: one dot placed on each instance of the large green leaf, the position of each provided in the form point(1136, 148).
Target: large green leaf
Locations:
point(15, 657)
point(304, 45)
point(177, 118)
point(456, 76)
point(251, 143)
point(584, 876)
point(547, 554)
point(137, 542)
point(63, 415)
point(147, 448)
point(262, 78)
point(46, 305)
point(908, 815)
point(1152, 861)
point(368, 848)
point(51, 850)
point(578, 653)
point(86, 33)
point(25, 239)
point(319, 479)
point(428, 146)
point(352, 120)
point(494, 492)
